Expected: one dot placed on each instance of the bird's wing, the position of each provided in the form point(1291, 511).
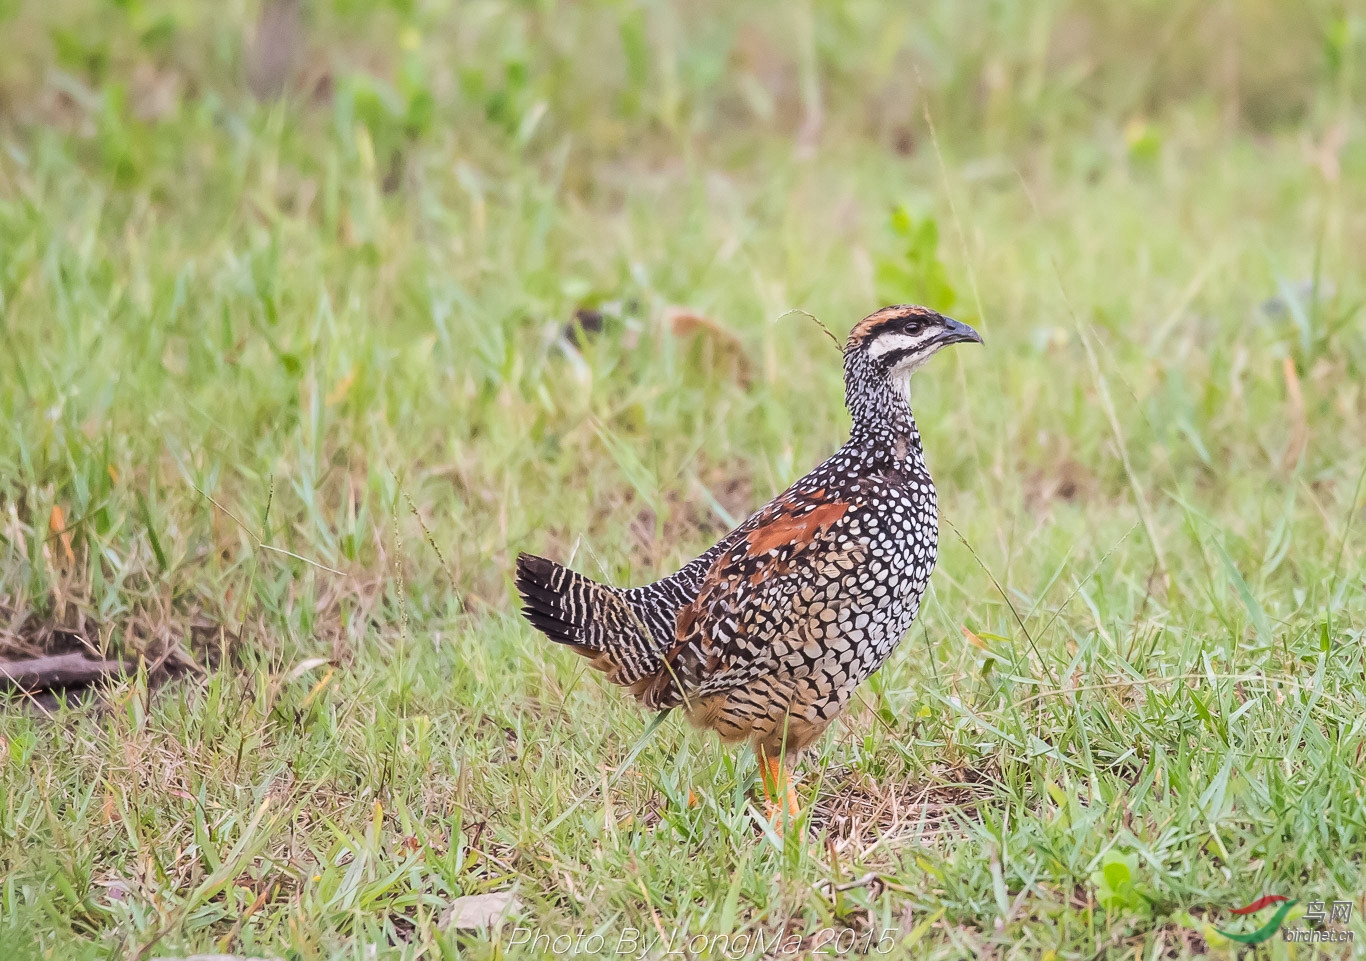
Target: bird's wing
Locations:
point(763, 590)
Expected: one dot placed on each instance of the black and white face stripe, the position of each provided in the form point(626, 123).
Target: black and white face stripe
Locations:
point(902, 345)
point(897, 347)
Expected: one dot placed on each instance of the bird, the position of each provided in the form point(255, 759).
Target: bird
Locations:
point(765, 636)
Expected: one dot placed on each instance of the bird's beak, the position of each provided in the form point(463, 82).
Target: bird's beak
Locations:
point(958, 333)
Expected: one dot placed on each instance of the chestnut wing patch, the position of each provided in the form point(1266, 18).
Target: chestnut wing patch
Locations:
point(723, 627)
point(792, 532)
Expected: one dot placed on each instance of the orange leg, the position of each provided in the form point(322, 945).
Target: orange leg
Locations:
point(777, 791)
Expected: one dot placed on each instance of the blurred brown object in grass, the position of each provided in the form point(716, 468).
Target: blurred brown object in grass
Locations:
point(275, 49)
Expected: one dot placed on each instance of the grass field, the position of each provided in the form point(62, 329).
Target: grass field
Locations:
point(287, 382)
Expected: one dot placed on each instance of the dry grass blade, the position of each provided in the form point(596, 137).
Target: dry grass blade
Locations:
point(427, 534)
point(1295, 415)
point(818, 322)
point(865, 819)
point(1005, 597)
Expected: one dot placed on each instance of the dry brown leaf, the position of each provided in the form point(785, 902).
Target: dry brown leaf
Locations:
point(475, 911)
point(303, 667)
point(721, 349)
point(684, 323)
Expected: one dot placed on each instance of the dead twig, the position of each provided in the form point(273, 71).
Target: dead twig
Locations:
point(54, 671)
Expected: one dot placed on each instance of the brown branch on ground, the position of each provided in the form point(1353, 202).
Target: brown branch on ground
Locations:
point(55, 671)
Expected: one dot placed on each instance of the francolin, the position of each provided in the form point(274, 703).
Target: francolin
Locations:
point(765, 636)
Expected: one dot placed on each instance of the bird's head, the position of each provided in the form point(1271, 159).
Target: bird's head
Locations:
point(887, 347)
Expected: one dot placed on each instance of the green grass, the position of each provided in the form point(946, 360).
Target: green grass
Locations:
point(294, 375)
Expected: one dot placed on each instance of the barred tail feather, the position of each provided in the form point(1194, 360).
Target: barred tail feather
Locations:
point(592, 618)
point(556, 599)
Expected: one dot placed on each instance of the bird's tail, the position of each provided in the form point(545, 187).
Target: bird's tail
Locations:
point(593, 619)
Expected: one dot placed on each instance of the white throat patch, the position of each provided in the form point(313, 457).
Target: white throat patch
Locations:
point(900, 375)
point(901, 380)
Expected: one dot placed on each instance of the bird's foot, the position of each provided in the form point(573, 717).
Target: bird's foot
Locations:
point(778, 794)
point(777, 811)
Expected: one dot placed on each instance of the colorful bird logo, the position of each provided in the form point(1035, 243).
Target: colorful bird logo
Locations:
point(1272, 925)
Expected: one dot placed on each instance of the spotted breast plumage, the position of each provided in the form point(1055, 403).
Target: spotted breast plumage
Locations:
point(766, 635)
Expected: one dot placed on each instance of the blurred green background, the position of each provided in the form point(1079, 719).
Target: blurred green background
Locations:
point(314, 313)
